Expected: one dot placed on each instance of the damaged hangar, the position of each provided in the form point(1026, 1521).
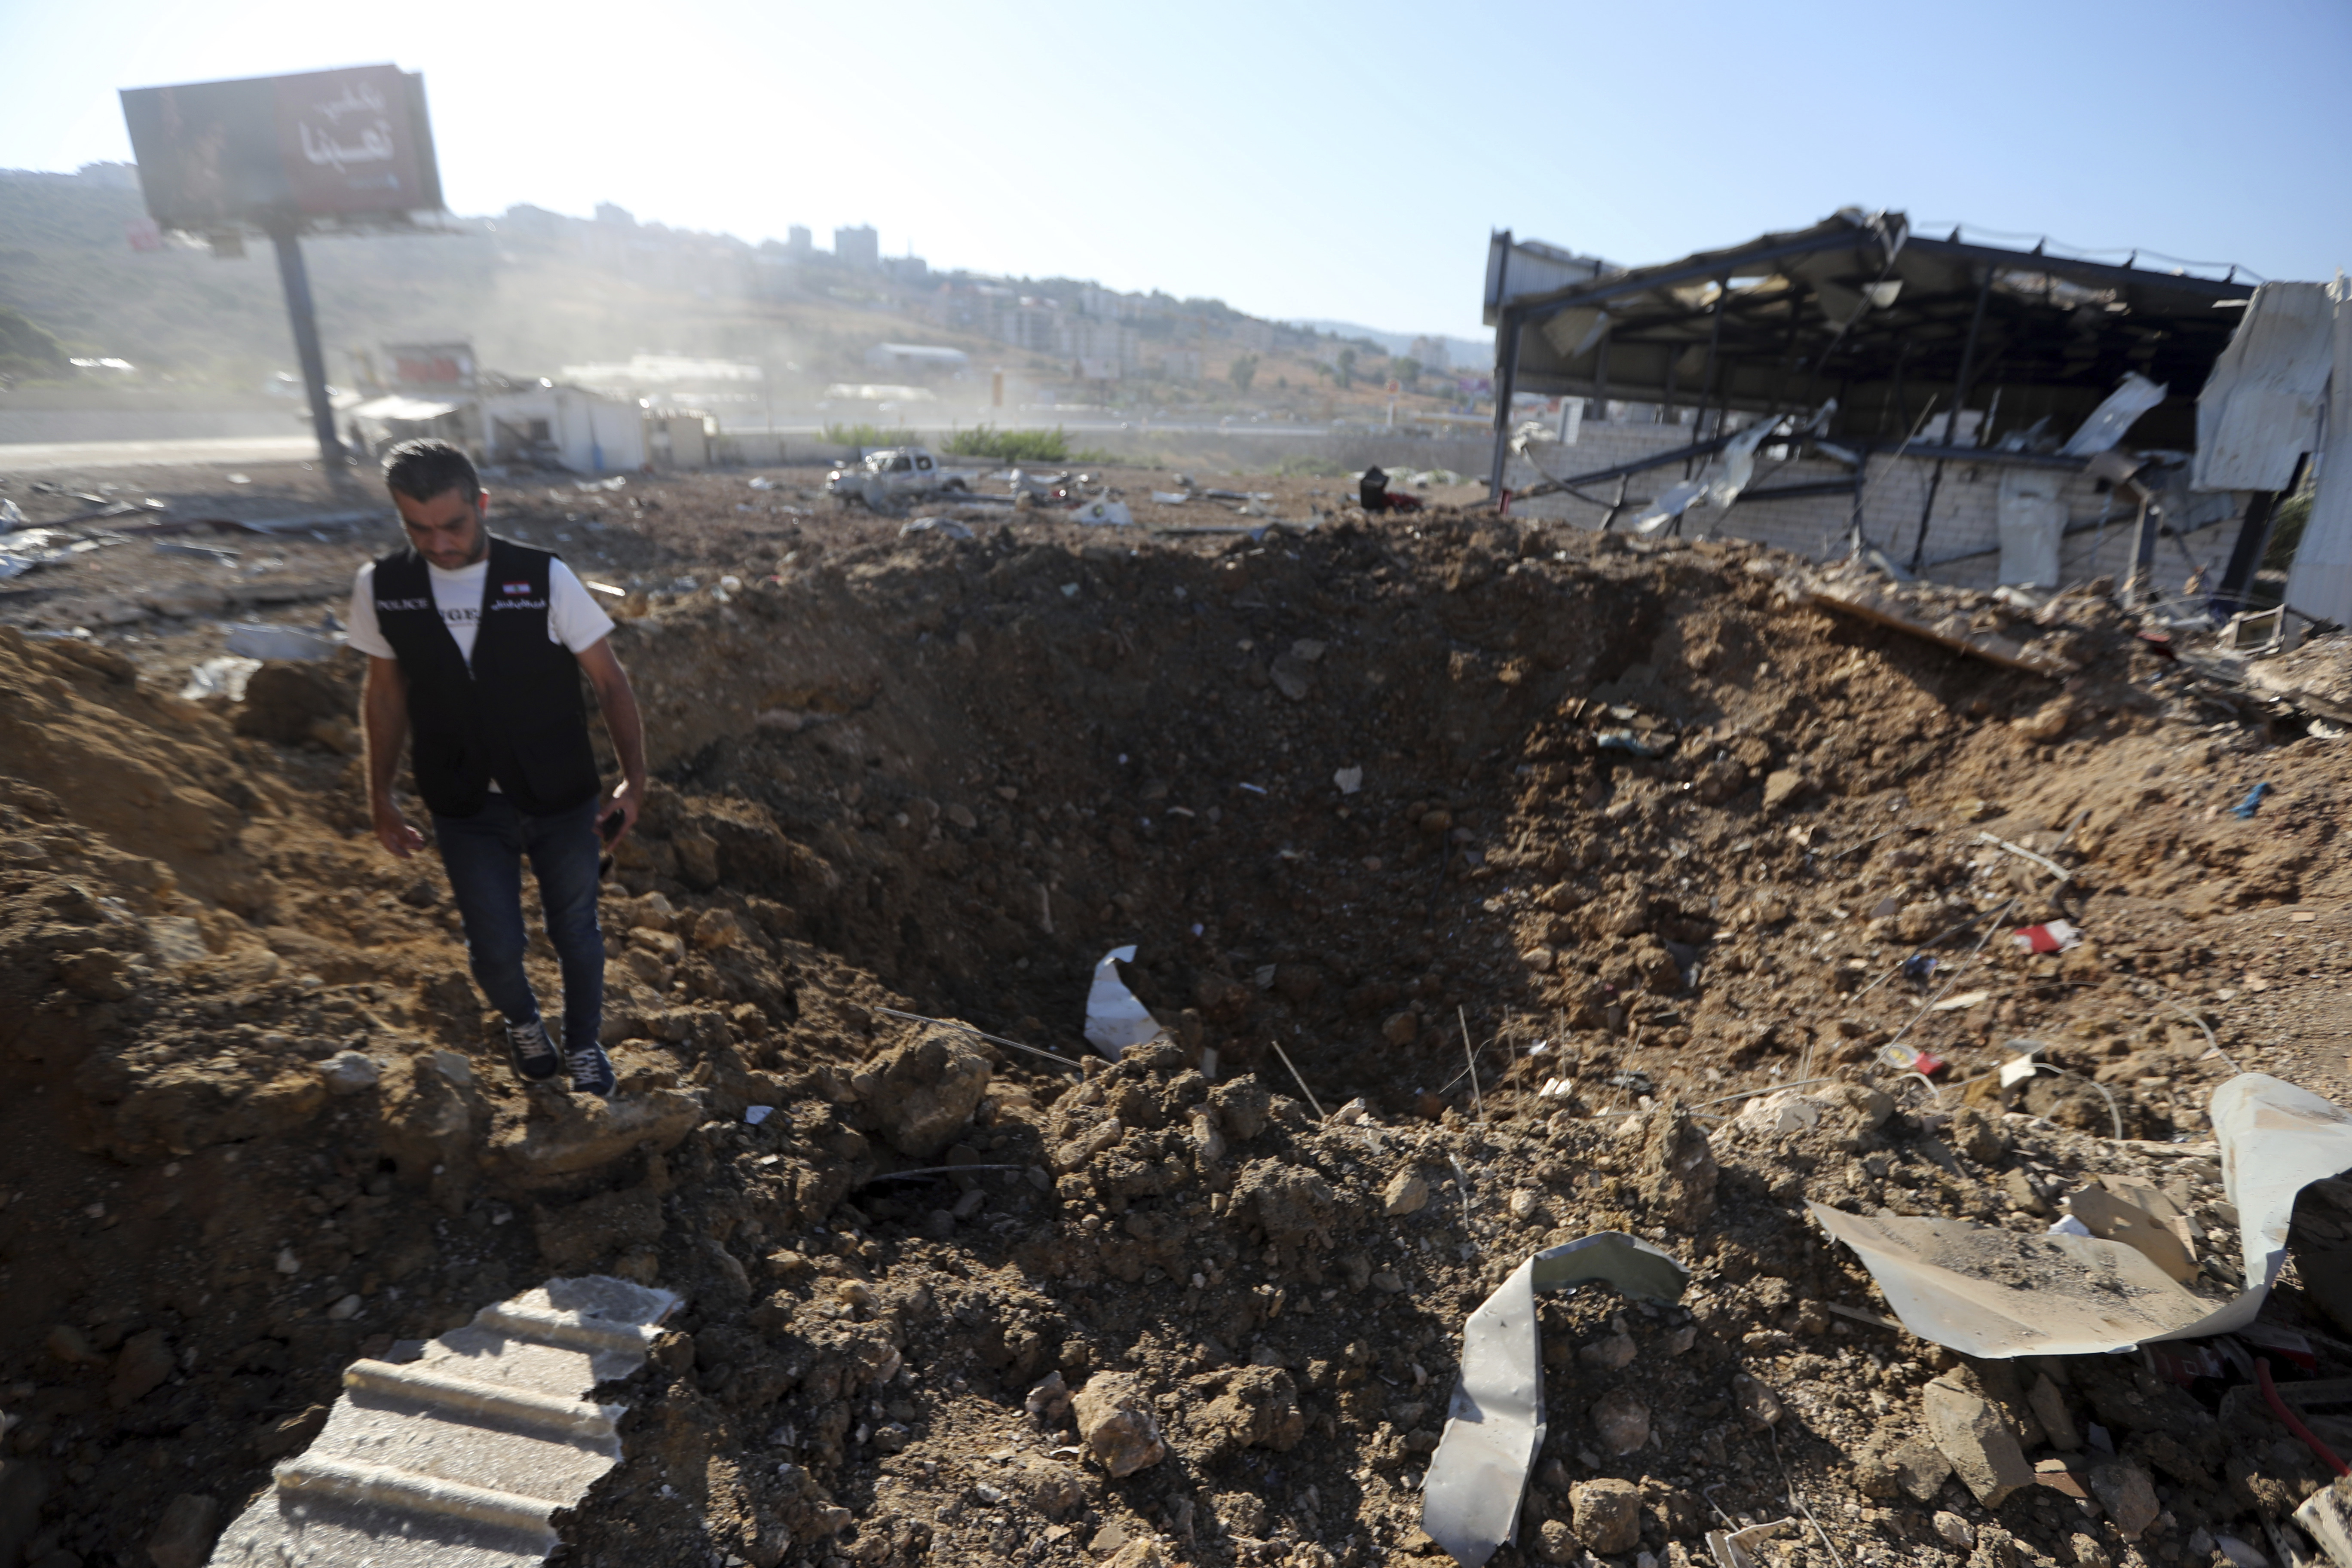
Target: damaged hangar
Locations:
point(1811, 378)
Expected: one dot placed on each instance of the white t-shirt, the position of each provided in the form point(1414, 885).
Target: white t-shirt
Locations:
point(573, 617)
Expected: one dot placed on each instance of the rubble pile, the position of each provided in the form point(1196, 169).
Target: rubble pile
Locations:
point(1495, 886)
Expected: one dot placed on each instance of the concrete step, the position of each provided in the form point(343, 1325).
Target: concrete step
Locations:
point(460, 1456)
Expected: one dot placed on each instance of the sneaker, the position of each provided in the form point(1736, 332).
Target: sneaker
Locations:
point(534, 1054)
point(591, 1071)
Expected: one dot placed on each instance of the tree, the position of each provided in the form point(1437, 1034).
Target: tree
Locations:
point(1347, 369)
point(1241, 371)
point(1408, 371)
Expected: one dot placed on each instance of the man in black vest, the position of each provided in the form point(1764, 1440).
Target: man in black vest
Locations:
point(477, 645)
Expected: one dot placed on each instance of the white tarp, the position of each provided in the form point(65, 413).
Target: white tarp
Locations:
point(2119, 413)
point(1116, 1017)
point(2320, 583)
point(2259, 408)
point(2031, 520)
point(1985, 1291)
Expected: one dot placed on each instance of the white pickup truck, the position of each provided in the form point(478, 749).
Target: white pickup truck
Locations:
point(891, 475)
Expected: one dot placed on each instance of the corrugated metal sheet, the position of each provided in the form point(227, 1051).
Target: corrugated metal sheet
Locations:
point(2321, 581)
point(1517, 270)
point(2259, 408)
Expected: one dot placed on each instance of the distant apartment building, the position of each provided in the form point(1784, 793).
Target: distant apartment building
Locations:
point(859, 247)
point(1430, 353)
point(1255, 336)
point(798, 240)
point(1110, 344)
point(1180, 365)
point(1110, 305)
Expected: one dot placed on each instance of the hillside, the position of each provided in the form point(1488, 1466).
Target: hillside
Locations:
point(535, 291)
point(182, 313)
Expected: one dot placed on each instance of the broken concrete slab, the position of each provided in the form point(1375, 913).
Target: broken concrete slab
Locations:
point(1968, 1429)
point(2058, 1425)
point(2128, 1494)
point(465, 1455)
point(2326, 1517)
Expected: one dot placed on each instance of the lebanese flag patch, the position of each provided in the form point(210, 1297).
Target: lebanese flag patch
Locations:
point(514, 587)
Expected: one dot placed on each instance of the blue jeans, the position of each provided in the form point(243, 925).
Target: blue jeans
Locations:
point(483, 854)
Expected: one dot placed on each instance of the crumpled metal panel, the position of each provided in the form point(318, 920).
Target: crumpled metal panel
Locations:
point(1494, 1425)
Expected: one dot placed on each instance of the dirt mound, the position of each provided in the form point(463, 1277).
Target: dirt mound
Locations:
point(1544, 849)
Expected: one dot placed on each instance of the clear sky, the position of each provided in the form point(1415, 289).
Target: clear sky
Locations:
point(1328, 160)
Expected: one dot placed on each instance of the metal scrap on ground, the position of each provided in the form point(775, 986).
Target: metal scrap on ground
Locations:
point(464, 1454)
point(1495, 1426)
point(1985, 1291)
point(1953, 632)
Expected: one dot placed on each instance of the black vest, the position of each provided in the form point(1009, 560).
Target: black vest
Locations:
point(516, 716)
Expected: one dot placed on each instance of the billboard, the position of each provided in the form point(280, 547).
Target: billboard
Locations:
point(432, 367)
point(330, 145)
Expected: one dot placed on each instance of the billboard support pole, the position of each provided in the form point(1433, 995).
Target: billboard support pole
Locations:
point(305, 318)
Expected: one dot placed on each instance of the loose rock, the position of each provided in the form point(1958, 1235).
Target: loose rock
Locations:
point(184, 1538)
point(926, 1091)
point(1621, 1421)
point(1407, 1192)
point(1115, 1421)
point(1608, 1514)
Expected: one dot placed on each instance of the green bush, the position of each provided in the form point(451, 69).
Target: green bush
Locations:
point(1010, 445)
point(26, 349)
point(1313, 468)
point(2286, 531)
point(864, 435)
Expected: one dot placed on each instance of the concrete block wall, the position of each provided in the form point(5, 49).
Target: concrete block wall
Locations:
point(1963, 540)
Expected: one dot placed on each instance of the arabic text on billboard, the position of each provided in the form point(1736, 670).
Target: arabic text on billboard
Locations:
point(338, 143)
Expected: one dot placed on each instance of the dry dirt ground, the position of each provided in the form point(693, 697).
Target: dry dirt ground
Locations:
point(1633, 827)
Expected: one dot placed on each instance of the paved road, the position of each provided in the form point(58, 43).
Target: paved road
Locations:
point(38, 456)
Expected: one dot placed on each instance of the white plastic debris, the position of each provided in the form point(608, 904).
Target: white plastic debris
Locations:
point(947, 527)
point(1349, 780)
point(224, 676)
point(1985, 1291)
point(1116, 1017)
point(756, 1114)
point(1103, 512)
point(1672, 502)
point(2068, 1226)
point(1494, 1425)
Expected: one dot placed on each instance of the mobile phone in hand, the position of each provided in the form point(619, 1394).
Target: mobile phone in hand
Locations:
point(608, 829)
